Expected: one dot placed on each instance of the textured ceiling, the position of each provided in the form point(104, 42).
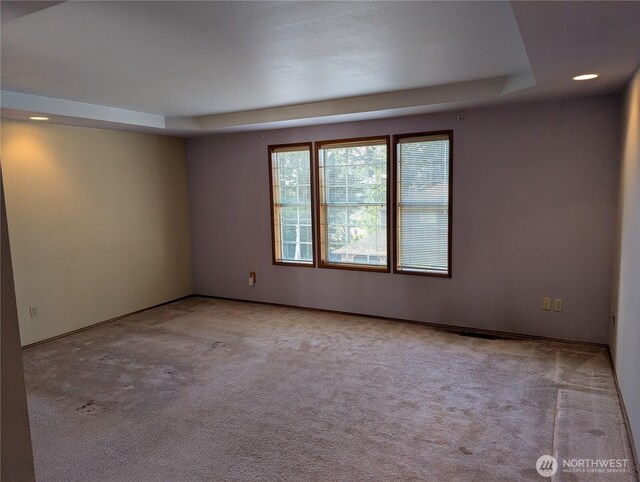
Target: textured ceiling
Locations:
point(207, 66)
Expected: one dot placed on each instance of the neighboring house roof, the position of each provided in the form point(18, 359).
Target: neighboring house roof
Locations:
point(374, 244)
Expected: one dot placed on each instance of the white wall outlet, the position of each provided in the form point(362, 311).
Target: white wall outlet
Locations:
point(252, 278)
point(557, 304)
point(33, 311)
point(546, 304)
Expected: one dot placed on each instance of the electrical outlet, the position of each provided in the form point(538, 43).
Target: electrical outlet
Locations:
point(557, 304)
point(33, 311)
point(546, 304)
point(252, 278)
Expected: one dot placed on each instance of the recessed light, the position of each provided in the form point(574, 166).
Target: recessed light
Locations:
point(585, 77)
point(38, 117)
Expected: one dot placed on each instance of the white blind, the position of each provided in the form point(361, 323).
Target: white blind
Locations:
point(291, 191)
point(353, 201)
point(423, 203)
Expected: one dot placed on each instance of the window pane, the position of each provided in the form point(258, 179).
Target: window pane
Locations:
point(289, 233)
point(288, 194)
point(289, 251)
point(291, 198)
point(295, 215)
point(360, 238)
point(353, 185)
point(424, 244)
point(306, 250)
point(336, 194)
point(423, 203)
point(295, 228)
point(306, 233)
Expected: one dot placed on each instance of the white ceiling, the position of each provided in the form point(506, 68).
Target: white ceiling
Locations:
point(197, 67)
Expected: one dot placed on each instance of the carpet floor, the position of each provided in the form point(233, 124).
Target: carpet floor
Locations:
point(208, 389)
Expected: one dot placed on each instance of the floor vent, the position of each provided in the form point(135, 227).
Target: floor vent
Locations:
point(484, 336)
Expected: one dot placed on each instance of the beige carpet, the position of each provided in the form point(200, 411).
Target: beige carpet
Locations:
point(206, 389)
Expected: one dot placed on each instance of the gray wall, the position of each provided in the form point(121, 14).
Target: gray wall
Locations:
point(625, 335)
point(534, 203)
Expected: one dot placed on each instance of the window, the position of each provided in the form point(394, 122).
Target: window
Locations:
point(352, 203)
point(352, 197)
point(422, 231)
point(291, 204)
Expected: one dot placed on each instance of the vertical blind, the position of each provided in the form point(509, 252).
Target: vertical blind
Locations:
point(291, 200)
point(422, 179)
point(353, 202)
